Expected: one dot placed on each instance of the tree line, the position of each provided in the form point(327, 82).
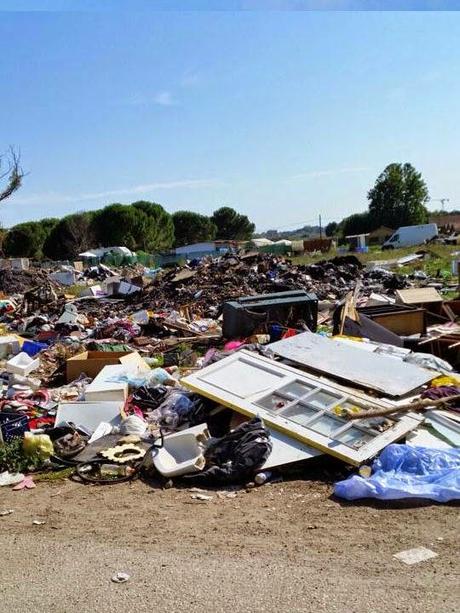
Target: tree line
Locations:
point(140, 226)
point(398, 198)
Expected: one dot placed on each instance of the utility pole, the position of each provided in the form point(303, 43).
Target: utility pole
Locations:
point(320, 228)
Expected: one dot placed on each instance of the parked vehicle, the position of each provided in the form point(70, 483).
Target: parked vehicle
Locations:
point(407, 236)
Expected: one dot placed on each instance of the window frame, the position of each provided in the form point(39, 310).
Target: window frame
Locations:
point(212, 383)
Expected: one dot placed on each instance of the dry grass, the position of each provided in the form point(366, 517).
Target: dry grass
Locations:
point(440, 260)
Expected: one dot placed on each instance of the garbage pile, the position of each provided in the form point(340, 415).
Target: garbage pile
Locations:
point(231, 371)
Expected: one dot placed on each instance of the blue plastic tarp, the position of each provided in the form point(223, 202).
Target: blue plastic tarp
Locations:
point(402, 471)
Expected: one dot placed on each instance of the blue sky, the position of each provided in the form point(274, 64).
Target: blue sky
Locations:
point(281, 114)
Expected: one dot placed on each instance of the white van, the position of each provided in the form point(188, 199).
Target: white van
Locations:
point(407, 236)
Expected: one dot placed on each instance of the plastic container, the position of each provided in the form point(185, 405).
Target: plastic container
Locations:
point(12, 425)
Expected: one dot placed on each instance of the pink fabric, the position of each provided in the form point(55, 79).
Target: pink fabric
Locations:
point(26, 483)
point(232, 345)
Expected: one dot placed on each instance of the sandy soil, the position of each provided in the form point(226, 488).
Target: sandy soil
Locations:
point(287, 546)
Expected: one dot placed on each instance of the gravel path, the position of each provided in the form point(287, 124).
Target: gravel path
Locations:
point(285, 547)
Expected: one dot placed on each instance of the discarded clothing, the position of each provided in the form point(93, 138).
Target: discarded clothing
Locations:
point(235, 457)
point(443, 391)
point(402, 471)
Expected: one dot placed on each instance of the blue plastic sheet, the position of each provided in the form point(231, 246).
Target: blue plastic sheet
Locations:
point(402, 471)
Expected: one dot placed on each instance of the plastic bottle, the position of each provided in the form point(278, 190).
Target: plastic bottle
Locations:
point(110, 471)
point(262, 478)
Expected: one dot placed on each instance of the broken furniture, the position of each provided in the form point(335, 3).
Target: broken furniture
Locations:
point(302, 406)
point(403, 320)
point(286, 450)
point(242, 317)
point(427, 297)
point(357, 324)
point(182, 452)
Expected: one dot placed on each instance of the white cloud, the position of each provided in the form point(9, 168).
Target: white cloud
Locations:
point(57, 198)
point(161, 98)
point(314, 174)
point(164, 98)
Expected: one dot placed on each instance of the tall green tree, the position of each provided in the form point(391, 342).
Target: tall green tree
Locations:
point(117, 225)
point(358, 223)
point(190, 227)
point(27, 239)
point(232, 225)
point(398, 197)
point(71, 236)
point(157, 228)
point(142, 225)
point(331, 228)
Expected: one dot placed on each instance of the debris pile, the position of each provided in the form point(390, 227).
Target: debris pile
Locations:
point(229, 371)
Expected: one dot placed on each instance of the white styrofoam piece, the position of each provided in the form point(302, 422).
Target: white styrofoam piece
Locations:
point(103, 389)
point(89, 414)
point(22, 364)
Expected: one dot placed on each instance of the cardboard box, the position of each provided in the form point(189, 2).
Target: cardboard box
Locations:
point(92, 362)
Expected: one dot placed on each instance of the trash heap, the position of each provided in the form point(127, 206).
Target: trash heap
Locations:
point(232, 371)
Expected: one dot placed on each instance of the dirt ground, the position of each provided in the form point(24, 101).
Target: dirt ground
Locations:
point(288, 546)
